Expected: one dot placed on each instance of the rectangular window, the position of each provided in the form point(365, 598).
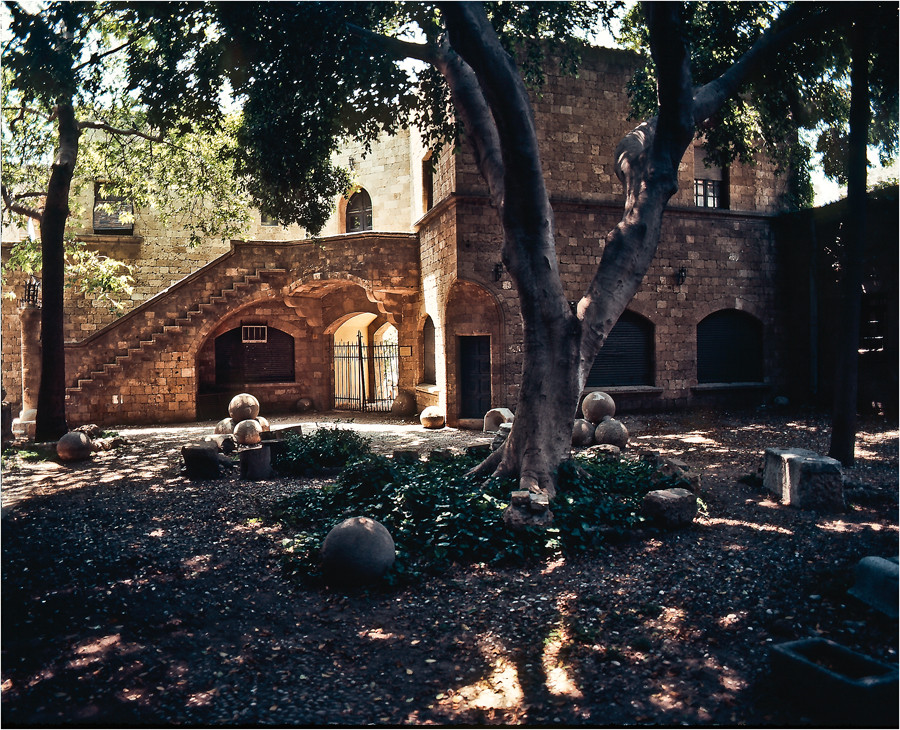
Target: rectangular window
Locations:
point(710, 183)
point(254, 333)
point(266, 220)
point(707, 193)
point(112, 214)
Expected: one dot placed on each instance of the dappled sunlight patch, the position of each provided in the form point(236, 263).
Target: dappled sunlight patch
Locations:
point(377, 634)
point(552, 565)
point(714, 521)
point(93, 650)
point(202, 699)
point(732, 620)
point(559, 680)
point(197, 564)
point(854, 527)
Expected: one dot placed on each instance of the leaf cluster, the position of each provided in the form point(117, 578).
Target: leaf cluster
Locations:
point(325, 448)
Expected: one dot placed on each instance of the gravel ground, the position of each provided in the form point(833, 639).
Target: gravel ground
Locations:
point(132, 596)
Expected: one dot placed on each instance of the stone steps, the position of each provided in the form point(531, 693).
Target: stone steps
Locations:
point(169, 330)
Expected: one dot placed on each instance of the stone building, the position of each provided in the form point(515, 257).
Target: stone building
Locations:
point(404, 290)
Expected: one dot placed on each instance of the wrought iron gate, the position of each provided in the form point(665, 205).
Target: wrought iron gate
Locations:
point(365, 376)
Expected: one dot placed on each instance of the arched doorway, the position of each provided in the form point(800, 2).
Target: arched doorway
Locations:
point(366, 364)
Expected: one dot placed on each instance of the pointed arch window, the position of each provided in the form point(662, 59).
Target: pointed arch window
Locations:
point(359, 212)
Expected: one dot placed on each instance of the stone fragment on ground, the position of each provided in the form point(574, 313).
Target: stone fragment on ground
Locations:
point(804, 479)
point(670, 508)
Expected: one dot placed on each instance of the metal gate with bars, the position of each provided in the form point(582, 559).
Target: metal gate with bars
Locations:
point(365, 376)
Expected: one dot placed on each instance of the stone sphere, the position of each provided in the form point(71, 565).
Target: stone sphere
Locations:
point(597, 405)
point(357, 551)
point(226, 425)
point(263, 423)
point(404, 404)
point(582, 432)
point(247, 433)
point(304, 404)
point(432, 417)
point(242, 407)
point(611, 431)
point(74, 446)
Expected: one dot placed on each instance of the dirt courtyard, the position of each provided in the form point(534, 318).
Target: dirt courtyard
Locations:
point(132, 596)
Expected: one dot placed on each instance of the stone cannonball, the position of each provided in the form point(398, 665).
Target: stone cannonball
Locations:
point(432, 417)
point(582, 432)
point(74, 446)
point(304, 404)
point(598, 405)
point(226, 425)
point(242, 407)
point(247, 433)
point(263, 423)
point(358, 551)
point(611, 431)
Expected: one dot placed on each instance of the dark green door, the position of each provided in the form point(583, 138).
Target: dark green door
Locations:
point(474, 376)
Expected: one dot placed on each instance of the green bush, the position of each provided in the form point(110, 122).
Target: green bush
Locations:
point(326, 448)
point(438, 516)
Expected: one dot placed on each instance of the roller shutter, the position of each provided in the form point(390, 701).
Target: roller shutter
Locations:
point(729, 348)
point(627, 357)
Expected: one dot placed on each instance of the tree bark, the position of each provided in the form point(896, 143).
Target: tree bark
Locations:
point(51, 407)
point(844, 416)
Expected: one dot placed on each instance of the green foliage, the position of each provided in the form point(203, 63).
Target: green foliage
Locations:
point(324, 449)
point(438, 515)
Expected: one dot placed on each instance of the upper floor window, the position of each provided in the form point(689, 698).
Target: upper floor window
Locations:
point(359, 212)
point(710, 184)
point(267, 220)
point(428, 182)
point(112, 214)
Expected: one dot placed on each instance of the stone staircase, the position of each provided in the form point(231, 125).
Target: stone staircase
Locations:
point(161, 322)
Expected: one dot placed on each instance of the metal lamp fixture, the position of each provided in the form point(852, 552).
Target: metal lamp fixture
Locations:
point(32, 295)
point(680, 276)
point(498, 272)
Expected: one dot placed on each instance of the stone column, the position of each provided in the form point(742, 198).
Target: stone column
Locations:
point(30, 322)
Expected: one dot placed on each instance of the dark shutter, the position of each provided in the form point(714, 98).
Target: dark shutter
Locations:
point(729, 348)
point(474, 376)
point(254, 362)
point(627, 357)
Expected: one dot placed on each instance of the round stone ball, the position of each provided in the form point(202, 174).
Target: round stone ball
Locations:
point(358, 551)
point(263, 423)
point(598, 405)
point(404, 404)
point(74, 446)
point(226, 425)
point(242, 407)
point(432, 417)
point(247, 433)
point(611, 431)
point(304, 404)
point(582, 432)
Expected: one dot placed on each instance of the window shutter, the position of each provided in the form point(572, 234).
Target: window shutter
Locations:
point(627, 357)
point(729, 348)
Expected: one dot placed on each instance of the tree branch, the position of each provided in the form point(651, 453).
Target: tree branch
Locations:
point(9, 201)
point(133, 132)
point(395, 47)
point(101, 55)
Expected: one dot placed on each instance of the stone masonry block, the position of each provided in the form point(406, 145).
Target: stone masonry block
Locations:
point(803, 479)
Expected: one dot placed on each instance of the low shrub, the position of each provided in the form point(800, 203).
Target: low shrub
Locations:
point(438, 515)
point(325, 448)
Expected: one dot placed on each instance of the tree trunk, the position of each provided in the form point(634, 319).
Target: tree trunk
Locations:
point(843, 422)
point(51, 406)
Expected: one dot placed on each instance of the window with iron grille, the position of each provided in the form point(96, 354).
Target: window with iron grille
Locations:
point(730, 348)
point(112, 214)
point(254, 333)
point(240, 361)
point(628, 355)
point(359, 212)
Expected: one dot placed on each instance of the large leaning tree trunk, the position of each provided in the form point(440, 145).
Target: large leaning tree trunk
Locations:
point(560, 345)
point(844, 417)
point(50, 422)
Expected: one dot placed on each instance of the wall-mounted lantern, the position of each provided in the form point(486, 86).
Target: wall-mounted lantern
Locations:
point(32, 296)
point(680, 276)
point(498, 272)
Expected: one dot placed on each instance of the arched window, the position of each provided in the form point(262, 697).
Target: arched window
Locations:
point(429, 375)
point(359, 212)
point(729, 348)
point(627, 357)
point(254, 354)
